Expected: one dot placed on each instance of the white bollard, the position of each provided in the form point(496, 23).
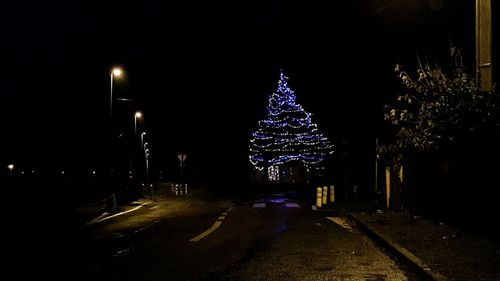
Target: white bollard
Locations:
point(325, 194)
point(319, 194)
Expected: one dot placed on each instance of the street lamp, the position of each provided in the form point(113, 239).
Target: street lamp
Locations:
point(142, 138)
point(145, 147)
point(137, 115)
point(116, 71)
point(10, 167)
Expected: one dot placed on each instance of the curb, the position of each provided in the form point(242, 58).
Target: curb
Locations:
point(96, 215)
point(101, 214)
point(400, 251)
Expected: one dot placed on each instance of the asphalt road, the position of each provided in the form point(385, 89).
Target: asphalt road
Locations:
point(196, 238)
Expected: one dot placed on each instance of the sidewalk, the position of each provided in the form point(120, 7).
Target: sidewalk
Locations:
point(439, 250)
point(88, 213)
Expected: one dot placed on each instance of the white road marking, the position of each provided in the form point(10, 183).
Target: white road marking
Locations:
point(207, 232)
point(214, 227)
point(259, 205)
point(341, 221)
point(292, 205)
point(119, 214)
point(154, 207)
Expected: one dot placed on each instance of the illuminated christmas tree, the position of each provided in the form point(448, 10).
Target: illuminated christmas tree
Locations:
point(287, 138)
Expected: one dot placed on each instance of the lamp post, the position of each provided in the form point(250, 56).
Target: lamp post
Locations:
point(142, 138)
point(146, 154)
point(116, 71)
point(145, 147)
point(137, 115)
point(376, 171)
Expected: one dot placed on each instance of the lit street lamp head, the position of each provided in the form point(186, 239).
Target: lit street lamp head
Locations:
point(11, 168)
point(117, 71)
point(137, 115)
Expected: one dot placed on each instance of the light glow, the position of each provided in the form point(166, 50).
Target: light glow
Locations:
point(117, 72)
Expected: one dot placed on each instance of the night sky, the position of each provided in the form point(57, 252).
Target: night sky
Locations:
point(202, 71)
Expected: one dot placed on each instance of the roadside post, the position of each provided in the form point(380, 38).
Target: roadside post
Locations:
point(332, 194)
point(325, 195)
point(319, 194)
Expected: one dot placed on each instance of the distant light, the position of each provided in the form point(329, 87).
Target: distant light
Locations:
point(11, 166)
point(117, 71)
point(62, 172)
point(138, 114)
point(143, 133)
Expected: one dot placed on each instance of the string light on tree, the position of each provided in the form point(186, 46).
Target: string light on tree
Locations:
point(287, 135)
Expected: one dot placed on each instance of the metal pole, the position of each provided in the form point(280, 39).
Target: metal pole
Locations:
point(376, 171)
point(112, 196)
point(147, 168)
point(346, 188)
point(147, 178)
point(182, 173)
point(483, 45)
point(111, 97)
